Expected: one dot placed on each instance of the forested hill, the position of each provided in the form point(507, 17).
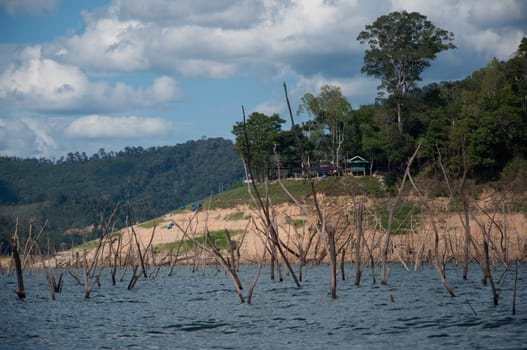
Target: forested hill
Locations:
point(72, 192)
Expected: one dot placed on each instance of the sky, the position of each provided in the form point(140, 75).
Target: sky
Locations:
point(78, 76)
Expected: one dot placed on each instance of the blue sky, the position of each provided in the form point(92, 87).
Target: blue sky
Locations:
point(84, 75)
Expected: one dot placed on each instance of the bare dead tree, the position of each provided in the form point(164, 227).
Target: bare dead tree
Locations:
point(438, 264)
point(325, 231)
point(300, 239)
point(391, 209)
point(502, 252)
point(211, 247)
point(359, 215)
point(89, 268)
point(250, 290)
point(465, 216)
point(54, 286)
point(485, 259)
point(375, 244)
point(1, 265)
point(31, 243)
point(138, 246)
point(515, 288)
point(423, 238)
point(115, 254)
point(175, 257)
point(264, 207)
point(136, 272)
point(20, 292)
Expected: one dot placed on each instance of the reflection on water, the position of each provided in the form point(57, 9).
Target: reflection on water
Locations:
point(202, 311)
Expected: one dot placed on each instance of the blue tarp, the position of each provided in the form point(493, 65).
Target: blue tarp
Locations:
point(197, 205)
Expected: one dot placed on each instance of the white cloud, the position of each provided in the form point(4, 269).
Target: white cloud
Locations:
point(272, 106)
point(107, 44)
point(492, 12)
point(221, 39)
point(43, 139)
point(42, 84)
point(100, 126)
point(224, 13)
point(359, 90)
point(125, 37)
point(27, 136)
point(484, 27)
point(34, 7)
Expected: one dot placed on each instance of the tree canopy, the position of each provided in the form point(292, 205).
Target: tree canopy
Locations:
point(329, 110)
point(483, 116)
point(256, 139)
point(402, 45)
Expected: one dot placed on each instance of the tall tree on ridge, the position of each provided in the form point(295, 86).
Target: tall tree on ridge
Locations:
point(401, 47)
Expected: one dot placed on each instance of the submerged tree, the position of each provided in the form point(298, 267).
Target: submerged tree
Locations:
point(401, 47)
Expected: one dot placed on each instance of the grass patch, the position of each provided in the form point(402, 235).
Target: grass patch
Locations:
point(404, 217)
point(95, 242)
point(296, 222)
point(332, 186)
point(88, 245)
point(239, 215)
point(151, 223)
point(186, 245)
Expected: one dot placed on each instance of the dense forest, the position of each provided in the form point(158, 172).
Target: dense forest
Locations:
point(72, 192)
point(476, 126)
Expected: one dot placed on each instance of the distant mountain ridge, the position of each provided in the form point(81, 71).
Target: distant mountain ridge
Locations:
point(73, 192)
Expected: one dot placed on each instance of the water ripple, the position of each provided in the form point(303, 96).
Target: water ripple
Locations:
point(202, 311)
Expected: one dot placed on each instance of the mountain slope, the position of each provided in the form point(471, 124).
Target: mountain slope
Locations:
point(73, 192)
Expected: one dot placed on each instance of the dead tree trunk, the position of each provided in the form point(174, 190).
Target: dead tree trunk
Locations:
point(115, 253)
point(515, 288)
point(20, 292)
point(212, 249)
point(485, 264)
point(265, 210)
point(465, 218)
point(466, 224)
point(359, 212)
point(332, 255)
point(89, 268)
point(327, 236)
point(439, 265)
point(140, 253)
point(391, 209)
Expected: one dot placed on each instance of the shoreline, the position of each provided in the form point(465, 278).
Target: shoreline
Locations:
point(415, 246)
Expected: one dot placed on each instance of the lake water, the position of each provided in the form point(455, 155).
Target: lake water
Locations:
point(202, 311)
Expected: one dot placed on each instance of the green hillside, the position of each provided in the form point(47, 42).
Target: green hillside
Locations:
point(73, 192)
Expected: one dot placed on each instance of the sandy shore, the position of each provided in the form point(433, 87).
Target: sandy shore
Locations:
point(248, 231)
point(246, 226)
